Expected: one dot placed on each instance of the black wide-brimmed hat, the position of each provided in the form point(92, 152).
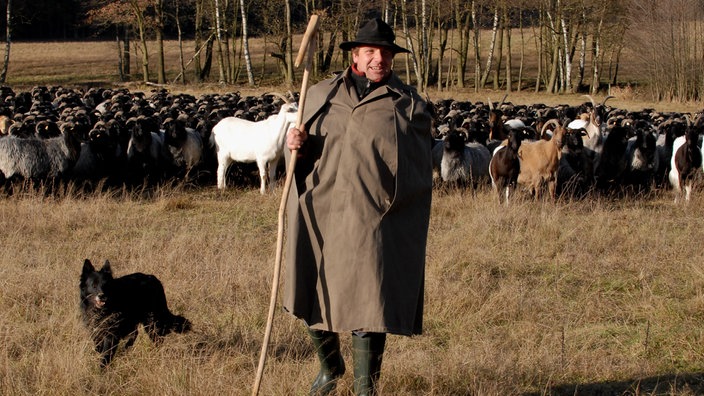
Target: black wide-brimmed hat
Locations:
point(375, 32)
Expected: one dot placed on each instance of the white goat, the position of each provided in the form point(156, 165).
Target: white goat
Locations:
point(240, 140)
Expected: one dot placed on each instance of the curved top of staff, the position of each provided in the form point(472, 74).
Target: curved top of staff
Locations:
point(310, 30)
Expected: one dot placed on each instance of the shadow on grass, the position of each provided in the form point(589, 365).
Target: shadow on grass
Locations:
point(668, 384)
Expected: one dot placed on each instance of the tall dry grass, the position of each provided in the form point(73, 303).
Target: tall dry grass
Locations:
point(589, 297)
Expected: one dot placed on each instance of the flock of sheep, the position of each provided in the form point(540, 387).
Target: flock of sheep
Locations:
point(120, 138)
point(567, 150)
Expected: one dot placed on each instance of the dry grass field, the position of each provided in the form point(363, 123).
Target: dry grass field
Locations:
point(594, 297)
point(591, 297)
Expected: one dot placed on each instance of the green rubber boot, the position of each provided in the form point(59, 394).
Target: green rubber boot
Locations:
point(332, 366)
point(367, 351)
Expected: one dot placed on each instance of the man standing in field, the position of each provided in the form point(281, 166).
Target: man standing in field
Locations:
point(358, 220)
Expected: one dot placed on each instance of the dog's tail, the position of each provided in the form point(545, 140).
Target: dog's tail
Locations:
point(179, 324)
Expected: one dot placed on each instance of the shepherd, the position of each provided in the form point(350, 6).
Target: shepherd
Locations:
point(359, 210)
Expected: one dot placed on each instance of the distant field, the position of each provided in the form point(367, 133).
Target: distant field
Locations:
point(94, 63)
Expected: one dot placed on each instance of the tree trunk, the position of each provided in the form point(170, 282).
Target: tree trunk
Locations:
point(425, 59)
point(582, 60)
point(477, 50)
point(442, 36)
point(235, 61)
point(492, 46)
point(540, 46)
point(218, 37)
point(552, 81)
point(198, 39)
point(120, 56)
point(245, 45)
point(289, 47)
point(180, 42)
point(142, 38)
point(462, 20)
point(145, 54)
point(8, 41)
point(614, 80)
point(208, 63)
point(327, 58)
point(409, 45)
point(127, 57)
point(160, 69)
point(227, 65)
point(551, 85)
point(568, 58)
point(519, 82)
point(499, 57)
point(596, 56)
point(507, 31)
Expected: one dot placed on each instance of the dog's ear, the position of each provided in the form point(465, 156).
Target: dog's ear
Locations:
point(87, 270)
point(88, 266)
point(106, 268)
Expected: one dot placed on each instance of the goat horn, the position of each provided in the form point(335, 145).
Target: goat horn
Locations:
point(285, 99)
point(503, 99)
point(689, 121)
point(545, 126)
point(591, 100)
point(607, 98)
point(491, 105)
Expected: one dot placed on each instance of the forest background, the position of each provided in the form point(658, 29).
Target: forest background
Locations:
point(649, 48)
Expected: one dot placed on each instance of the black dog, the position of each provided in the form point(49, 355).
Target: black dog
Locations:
point(113, 308)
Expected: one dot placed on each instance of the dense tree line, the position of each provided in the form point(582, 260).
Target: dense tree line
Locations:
point(544, 45)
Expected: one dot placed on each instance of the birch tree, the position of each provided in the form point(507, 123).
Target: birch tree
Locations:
point(222, 79)
point(423, 56)
point(492, 47)
point(245, 45)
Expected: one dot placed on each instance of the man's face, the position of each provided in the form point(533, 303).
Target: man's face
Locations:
point(375, 62)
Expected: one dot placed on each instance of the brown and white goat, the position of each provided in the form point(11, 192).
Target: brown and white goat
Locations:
point(686, 162)
point(504, 166)
point(540, 160)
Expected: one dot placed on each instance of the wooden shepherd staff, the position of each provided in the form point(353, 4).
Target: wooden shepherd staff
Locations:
point(308, 45)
